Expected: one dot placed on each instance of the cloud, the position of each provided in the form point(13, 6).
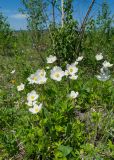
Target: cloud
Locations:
point(19, 16)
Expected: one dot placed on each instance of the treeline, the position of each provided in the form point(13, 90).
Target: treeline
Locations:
point(65, 38)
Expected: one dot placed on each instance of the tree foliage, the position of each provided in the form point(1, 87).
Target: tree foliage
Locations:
point(6, 37)
point(34, 9)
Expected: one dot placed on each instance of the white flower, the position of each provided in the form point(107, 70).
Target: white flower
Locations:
point(73, 77)
point(107, 64)
point(104, 71)
point(40, 73)
point(47, 67)
point(103, 77)
point(72, 69)
point(73, 94)
point(36, 108)
point(75, 63)
point(79, 58)
point(41, 76)
point(41, 80)
point(51, 59)
point(99, 57)
point(32, 96)
point(21, 87)
point(104, 74)
point(32, 79)
point(13, 71)
point(38, 77)
point(57, 73)
point(66, 73)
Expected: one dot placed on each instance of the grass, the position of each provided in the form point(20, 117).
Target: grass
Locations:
point(64, 129)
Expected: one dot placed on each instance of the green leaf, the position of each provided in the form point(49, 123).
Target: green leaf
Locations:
point(66, 150)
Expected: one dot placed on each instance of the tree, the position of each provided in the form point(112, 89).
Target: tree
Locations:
point(34, 9)
point(62, 13)
point(68, 11)
point(6, 37)
point(104, 19)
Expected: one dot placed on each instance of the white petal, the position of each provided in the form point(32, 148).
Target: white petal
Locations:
point(32, 110)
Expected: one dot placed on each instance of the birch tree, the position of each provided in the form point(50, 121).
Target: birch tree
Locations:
point(36, 20)
point(62, 13)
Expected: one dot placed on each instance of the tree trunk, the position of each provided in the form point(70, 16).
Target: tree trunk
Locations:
point(62, 16)
point(53, 12)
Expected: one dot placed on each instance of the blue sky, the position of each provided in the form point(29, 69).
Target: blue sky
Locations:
point(10, 8)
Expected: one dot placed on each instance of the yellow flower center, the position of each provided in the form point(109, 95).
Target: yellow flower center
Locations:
point(57, 75)
point(32, 97)
point(36, 109)
point(71, 70)
point(34, 78)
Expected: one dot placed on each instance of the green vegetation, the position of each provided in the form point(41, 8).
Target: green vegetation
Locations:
point(77, 126)
point(7, 40)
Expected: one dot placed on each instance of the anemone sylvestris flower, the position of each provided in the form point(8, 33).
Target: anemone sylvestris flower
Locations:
point(73, 95)
point(57, 73)
point(32, 96)
point(79, 59)
point(51, 59)
point(73, 77)
point(72, 69)
point(36, 108)
point(21, 87)
point(38, 78)
point(13, 71)
point(107, 64)
point(99, 57)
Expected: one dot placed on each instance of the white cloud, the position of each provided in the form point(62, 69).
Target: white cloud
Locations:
point(19, 16)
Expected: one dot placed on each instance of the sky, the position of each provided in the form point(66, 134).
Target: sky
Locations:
point(10, 8)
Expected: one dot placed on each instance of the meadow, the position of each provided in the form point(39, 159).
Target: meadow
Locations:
point(57, 91)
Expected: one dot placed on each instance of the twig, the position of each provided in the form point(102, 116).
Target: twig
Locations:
point(84, 25)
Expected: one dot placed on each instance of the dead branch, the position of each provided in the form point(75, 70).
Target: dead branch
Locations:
point(83, 26)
